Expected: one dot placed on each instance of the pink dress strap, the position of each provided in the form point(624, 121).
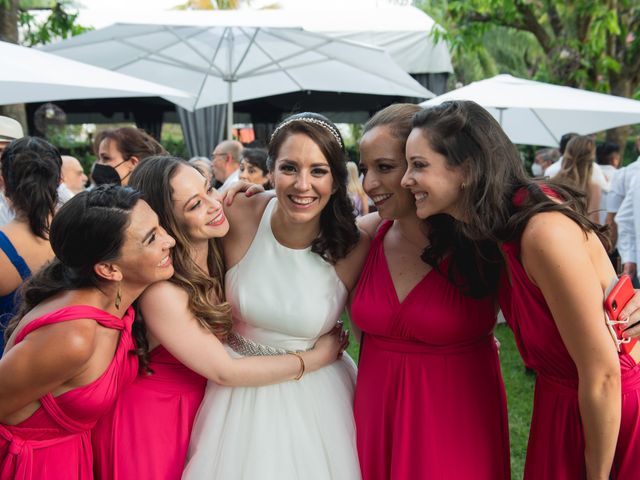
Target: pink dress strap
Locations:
point(76, 312)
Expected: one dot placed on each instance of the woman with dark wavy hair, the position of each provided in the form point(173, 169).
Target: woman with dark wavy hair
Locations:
point(291, 262)
point(427, 311)
point(31, 174)
point(68, 352)
point(181, 330)
point(556, 273)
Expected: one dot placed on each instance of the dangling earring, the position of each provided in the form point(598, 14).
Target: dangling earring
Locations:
point(118, 297)
point(463, 186)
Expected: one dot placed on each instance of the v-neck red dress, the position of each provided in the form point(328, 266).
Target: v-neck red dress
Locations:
point(55, 442)
point(430, 401)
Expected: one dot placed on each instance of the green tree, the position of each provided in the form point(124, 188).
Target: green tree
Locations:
point(585, 43)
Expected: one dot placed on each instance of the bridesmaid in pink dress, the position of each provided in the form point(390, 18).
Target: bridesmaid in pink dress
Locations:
point(587, 398)
point(69, 347)
point(185, 324)
point(429, 402)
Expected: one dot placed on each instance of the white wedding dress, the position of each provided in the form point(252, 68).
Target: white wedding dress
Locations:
point(283, 299)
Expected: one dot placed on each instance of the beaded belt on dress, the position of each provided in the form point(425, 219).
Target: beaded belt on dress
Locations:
point(249, 348)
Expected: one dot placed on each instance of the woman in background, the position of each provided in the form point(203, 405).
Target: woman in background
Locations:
point(31, 174)
point(356, 192)
point(577, 167)
point(253, 167)
point(119, 151)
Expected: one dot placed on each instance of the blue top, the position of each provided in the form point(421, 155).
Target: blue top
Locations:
point(7, 302)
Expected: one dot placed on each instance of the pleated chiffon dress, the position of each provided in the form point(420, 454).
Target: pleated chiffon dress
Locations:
point(430, 401)
point(55, 442)
point(146, 433)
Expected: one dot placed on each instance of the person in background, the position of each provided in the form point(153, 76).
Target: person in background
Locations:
point(203, 164)
point(576, 172)
point(597, 177)
point(73, 175)
point(429, 391)
point(69, 348)
point(31, 175)
point(119, 151)
point(543, 159)
point(587, 398)
point(253, 167)
point(10, 130)
point(621, 209)
point(225, 161)
point(356, 192)
point(182, 326)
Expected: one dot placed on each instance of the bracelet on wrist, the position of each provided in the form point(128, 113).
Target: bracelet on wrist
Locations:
point(302, 368)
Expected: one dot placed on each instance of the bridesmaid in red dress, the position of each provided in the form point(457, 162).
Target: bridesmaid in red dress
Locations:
point(587, 397)
point(430, 401)
point(181, 338)
point(69, 347)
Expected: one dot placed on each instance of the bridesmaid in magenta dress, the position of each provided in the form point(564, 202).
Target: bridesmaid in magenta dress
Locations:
point(430, 401)
point(185, 325)
point(587, 398)
point(69, 347)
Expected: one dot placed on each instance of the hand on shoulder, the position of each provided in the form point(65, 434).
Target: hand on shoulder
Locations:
point(369, 224)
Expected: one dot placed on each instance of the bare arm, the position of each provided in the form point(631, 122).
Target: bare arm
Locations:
point(168, 319)
point(556, 256)
point(43, 362)
point(595, 193)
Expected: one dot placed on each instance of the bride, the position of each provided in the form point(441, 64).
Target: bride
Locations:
point(291, 262)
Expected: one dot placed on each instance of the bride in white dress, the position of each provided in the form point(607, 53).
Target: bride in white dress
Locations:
point(292, 261)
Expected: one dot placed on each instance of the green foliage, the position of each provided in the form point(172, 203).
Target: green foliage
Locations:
point(584, 43)
point(66, 140)
point(59, 24)
point(175, 146)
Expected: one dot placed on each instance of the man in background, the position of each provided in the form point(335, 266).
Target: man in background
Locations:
point(225, 161)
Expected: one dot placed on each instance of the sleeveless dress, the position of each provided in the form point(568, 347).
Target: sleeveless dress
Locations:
point(283, 300)
point(8, 302)
point(152, 417)
point(556, 440)
point(55, 442)
point(430, 402)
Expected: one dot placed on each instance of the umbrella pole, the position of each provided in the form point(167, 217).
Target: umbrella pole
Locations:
point(230, 110)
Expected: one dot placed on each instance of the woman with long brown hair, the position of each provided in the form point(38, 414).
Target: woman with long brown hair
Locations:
point(182, 326)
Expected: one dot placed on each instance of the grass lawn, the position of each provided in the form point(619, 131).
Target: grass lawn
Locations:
point(519, 387)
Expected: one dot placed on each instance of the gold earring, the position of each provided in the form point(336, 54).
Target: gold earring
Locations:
point(118, 297)
point(463, 186)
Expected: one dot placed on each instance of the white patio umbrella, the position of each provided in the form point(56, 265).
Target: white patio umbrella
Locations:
point(222, 63)
point(29, 75)
point(536, 113)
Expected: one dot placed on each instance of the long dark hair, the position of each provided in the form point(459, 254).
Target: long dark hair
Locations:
point(31, 173)
point(88, 229)
point(470, 138)
point(153, 178)
point(473, 266)
point(338, 231)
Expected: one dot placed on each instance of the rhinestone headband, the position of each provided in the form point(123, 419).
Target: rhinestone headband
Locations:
point(316, 121)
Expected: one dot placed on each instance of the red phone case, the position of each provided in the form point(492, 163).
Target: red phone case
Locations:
point(619, 296)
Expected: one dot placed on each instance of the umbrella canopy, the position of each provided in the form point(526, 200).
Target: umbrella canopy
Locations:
point(223, 63)
point(536, 113)
point(30, 75)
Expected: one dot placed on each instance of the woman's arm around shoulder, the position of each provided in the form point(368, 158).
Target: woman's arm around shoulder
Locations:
point(168, 319)
point(557, 257)
point(43, 361)
point(369, 224)
point(244, 217)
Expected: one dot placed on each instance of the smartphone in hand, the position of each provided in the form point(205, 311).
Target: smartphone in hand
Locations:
point(615, 301)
